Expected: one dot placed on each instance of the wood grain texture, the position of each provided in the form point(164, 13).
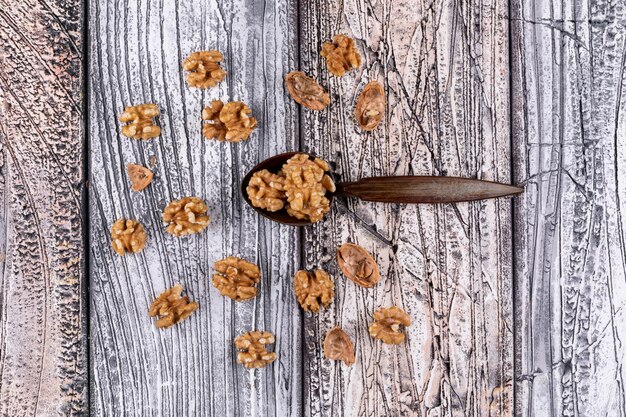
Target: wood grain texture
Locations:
point(444, 66)
point(43, 361)
point(568, 129)
point(136, 53)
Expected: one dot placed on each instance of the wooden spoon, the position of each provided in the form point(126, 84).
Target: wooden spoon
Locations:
point(401, 189)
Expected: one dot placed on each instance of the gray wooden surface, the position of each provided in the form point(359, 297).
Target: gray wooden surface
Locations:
point(43, 332)
point(518, 307)
point(568, 134)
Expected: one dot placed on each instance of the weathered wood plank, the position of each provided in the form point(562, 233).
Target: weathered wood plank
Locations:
point(444, 66)
point(568, 128)
point(43, 334)
point(136, 52)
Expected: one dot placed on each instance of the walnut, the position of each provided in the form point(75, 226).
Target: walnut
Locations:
point(140, 123)
point(313, 289)
point(236, 278)
point(386, 326)
point(341, 55)
point(266, 190)
point(252, 349)
point(370, 106)
point(186, 216)
point(171, 308)
point(230, 122)
point(306, 184)
point(127, 236)
point(306, 91)
point(204, 67)
point(358, 265)
point(140, 176)
point(338, 346)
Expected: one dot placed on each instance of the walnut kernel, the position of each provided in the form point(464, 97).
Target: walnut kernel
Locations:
point(140, 176)
point(306, 184)
point(370, 106)
point(313, 289)
point(204, 69)
point(252, 349)
point(186, 216)
point(358, 265)
point(306, 91)
point(266, 190)
point(386, 326)
point(171, 308)
point(341, 55)
point(140, 123)
point(230, 122)
point(236, 278)
point(338, 346)
point(128, 236)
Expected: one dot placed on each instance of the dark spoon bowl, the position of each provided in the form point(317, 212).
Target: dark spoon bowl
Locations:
point(273, 165)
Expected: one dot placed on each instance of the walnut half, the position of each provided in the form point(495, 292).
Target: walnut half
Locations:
point(306, 183)
point(388, 325)
point(171, 308)
point(253, 351)
point(230, 122)
point(313, 289)
point(358, 265)
point(204, 69)
point(341, 55)
point(306, 91)
point(370, 106)
point(266, 190)
point(338, 346)
point(236, 278)
point(186, 216)
point(139, 121)
point(127, 236)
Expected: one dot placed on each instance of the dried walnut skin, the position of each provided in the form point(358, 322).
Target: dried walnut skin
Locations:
point(313, 290)
point(338, 346)
point(341, 55)
point(204, 69)
point(306, 183)
point(306, 91)
point(252, 349)
point(171, 308)
point(140, 176)
point(140, 123)
point(387, 325)
point(186, 216)
point(127, 236)
point(267, 191)
point(358, 265)
point(236, 278)
point(370, 106)
point(230, 122)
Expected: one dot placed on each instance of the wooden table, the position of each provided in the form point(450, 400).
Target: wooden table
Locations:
point(517, 305)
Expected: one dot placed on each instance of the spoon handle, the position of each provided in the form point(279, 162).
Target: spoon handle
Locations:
point(422, 189)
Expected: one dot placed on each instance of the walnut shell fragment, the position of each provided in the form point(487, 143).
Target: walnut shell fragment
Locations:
point(236, 278)
point(139, 121)
point(388, 325)
point(338, 346)
point(171, 308)
point(186, 216)
point(313, 289)
point(140, 176)
point(370, 106)
point(341, 55)
point(204, 69)
point(358, 265)
point(127, 236)
point(306, 91)
point(252, 349)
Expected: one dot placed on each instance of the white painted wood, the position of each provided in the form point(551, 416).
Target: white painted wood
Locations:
point(568, 129)
point(136, 52)
point(43, 331)
point(444, 66)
